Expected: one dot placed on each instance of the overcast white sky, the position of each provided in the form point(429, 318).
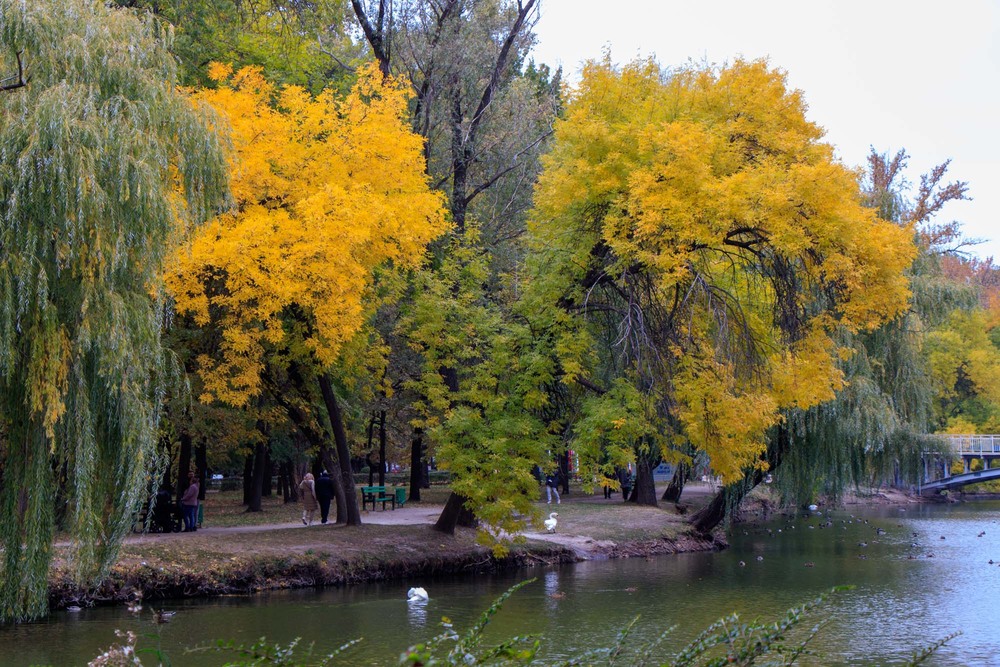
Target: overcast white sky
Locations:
point(919, 75)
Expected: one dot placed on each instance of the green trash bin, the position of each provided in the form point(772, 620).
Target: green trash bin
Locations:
point(400, 496)
point(201, 513)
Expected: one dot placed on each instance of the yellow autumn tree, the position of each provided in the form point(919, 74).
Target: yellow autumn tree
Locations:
point(329, 192)
point(701, 240)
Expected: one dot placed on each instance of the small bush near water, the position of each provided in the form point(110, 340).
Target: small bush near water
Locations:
point(728, 641)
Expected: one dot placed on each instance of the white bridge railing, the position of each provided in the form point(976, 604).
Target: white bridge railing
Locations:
point(972, 445)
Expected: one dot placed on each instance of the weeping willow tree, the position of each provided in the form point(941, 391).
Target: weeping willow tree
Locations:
point(102, 164)
point(875, 429)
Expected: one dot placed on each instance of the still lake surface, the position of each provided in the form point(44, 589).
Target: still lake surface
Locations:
point(904, 598)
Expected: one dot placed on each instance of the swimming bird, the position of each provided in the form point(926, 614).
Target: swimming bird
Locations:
point(760, 558)
point(161, 616)
point(550, 523)
point(809, 563)
point(742, 564)
point(135, 607)
point(74, 608)
point(416, 594)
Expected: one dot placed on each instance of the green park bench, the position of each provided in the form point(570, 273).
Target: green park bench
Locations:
point(376, 494)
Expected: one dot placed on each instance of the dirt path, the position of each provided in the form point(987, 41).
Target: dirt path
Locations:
point(427, 514)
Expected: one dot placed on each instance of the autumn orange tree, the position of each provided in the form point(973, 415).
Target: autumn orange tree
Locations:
point(331, 193)
point(701, 244)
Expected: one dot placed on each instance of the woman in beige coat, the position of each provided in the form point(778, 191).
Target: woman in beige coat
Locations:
point(307, 491)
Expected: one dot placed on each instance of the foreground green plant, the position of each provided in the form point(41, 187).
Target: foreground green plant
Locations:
point(728, 641)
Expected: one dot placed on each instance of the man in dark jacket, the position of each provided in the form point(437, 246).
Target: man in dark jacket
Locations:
point(324, 494)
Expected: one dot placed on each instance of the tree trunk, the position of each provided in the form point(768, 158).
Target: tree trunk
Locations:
point(183, 465)
point(644, 491)
point(247, 478)
point(455, 514)
point(257, 481)
point(709, 517)
point(368, 451)
point(416, 464)
point(676, 486)
point(343, 451)
point(564, 472)
point(265, 489)
point(283, 481)
point(381, 448)
point(201, 465)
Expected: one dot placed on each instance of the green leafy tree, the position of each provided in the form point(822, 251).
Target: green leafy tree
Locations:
point(104, 164)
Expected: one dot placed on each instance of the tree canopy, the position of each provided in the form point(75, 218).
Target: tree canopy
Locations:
point(694, 237)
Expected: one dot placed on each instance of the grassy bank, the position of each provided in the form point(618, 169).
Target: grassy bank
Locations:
point(239, 552)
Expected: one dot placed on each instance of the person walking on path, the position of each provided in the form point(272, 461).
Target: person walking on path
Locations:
point(608, 480)
point(324, 494)
point(307, 491)
point(189, 504)
point(626, 480)
point(551, 484)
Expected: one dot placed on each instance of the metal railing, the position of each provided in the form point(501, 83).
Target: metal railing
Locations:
point(972, 445)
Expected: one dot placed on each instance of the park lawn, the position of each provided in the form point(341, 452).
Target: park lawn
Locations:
point(249, 555)
point(616, 520)
point(225, 509)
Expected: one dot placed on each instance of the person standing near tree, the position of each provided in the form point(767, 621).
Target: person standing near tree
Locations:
point(324, 494)
point(551, 486)
point(307, 491)
point(189, 504)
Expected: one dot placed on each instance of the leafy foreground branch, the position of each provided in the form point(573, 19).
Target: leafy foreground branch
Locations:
point(728, 641)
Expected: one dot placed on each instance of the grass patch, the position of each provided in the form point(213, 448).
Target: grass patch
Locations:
point(616, 520)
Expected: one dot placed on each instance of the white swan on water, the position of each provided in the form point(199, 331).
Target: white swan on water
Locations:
point(550, 523)
point(416, 594)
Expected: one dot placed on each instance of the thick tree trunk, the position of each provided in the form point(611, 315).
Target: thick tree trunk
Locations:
point(416, 464)
point(676, 486)
point(381, 448)
point(564, 472)
point(709, 517)
point(455, 514)
point(343, 451)
point(340, 497)
point(644, 491)
point(201, 468)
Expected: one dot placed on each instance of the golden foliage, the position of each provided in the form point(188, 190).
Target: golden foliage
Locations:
point(713, 187)
point(327, 191)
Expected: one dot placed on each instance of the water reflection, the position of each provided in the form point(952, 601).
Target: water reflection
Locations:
point(416, 613)
point(903, 598)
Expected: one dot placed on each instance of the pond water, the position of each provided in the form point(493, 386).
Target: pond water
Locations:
point(898, 604)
